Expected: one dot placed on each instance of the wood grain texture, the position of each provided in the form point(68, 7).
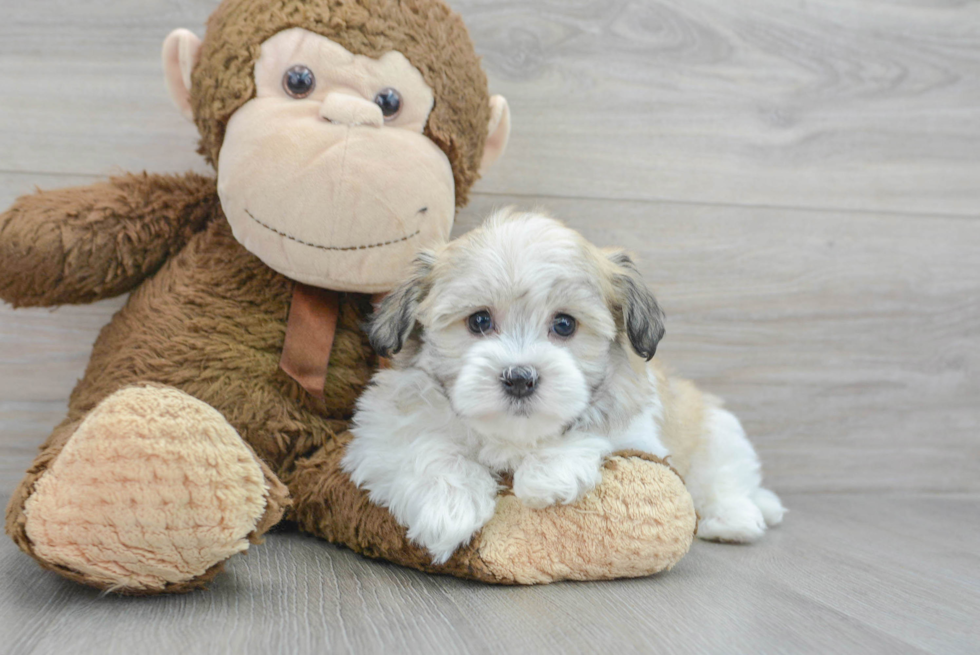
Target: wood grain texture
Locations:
point(828, 103)
point(846, 574)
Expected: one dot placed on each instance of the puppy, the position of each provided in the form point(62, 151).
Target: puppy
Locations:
point(522, 348)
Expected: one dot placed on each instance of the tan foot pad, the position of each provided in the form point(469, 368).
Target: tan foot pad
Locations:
point(640, 520)
point(152, 490)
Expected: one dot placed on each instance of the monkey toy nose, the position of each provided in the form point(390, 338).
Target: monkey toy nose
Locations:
point(519, 381)
point(345, 109)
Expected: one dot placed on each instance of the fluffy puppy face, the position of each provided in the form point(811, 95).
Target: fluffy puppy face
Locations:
point(523, 323)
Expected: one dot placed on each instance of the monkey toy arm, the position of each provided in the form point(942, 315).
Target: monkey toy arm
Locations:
point(82, 244)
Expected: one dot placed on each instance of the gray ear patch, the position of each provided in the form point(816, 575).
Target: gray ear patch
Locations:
point(643, 319)
point(394, 319)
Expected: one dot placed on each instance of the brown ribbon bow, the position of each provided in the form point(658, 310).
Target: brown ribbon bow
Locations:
point(310, 331)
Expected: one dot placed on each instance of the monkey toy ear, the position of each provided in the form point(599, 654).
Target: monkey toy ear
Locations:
point(498, 132)
point(643, 320)
point(181, 50)
point(394, 319)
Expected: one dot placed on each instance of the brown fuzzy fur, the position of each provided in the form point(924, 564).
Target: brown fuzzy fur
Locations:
point(83, 244)
point(209, 318)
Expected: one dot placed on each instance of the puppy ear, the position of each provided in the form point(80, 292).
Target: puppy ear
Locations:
point(394, 319)
point(643, 320)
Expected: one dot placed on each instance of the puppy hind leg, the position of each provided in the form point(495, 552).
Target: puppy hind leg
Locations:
point(769, 504)
point(724, 480)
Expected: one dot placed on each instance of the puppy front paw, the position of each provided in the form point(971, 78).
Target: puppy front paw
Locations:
point(449, 519)
point(540, 482)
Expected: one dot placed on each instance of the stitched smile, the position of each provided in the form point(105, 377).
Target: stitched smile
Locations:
point(335, 248)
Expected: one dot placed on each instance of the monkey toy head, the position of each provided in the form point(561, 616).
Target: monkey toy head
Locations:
point(345, 133)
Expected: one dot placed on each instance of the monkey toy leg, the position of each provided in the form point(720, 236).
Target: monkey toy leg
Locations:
point(640, 520)
point(150, 492)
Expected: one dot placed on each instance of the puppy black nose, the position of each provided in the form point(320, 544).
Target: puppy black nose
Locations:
point(519, 381)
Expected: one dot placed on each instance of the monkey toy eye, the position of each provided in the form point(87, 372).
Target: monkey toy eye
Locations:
point(390, 102)
point(299, 81)
point(563, 325)
point(480, 322)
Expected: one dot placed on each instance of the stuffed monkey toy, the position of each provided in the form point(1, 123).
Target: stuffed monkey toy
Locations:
point(344, 134)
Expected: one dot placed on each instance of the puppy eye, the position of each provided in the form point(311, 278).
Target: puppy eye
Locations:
point(480, 323)
point(390, 102)
point(299, 81)
point(563, 325)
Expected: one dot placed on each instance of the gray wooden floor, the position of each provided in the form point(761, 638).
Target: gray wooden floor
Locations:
point(802, 183)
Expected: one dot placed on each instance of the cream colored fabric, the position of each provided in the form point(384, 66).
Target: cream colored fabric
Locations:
point(325, 190)
point(619, 530)
point(498, 132)
point(154, 487)
point(181, 50)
